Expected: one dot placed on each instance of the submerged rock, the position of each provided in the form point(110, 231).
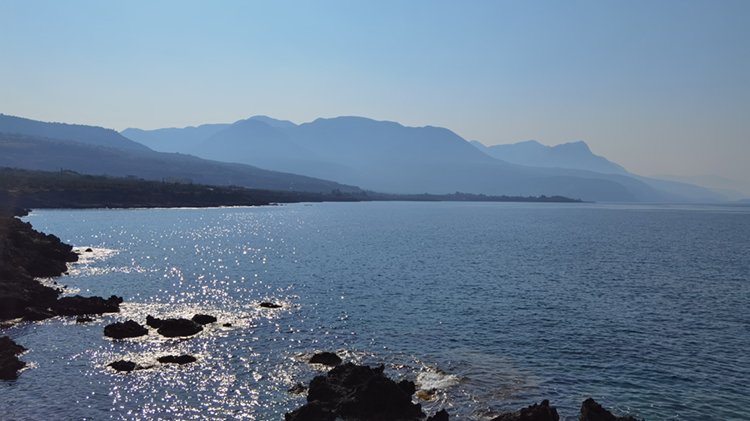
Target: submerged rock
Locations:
point(128, 329)
point(267, 304)
point(79, 306)
point(177, 359)
point(326, 358)
point(355, 392)
point(9, 362)
point(178, 327)
point(203, 319)
point(592, 411)
point(124, 365)
point(537, 412)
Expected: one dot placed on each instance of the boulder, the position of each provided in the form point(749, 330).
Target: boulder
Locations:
point(537, 412)
point(203, 319)
point(592, 411)
point(356, 392)
point(266, 304)
point(178, 327)
point(79, 306)
point(84, 319)
point(9, 362)
point(177, 359)
point(123, 365)
point(297, 389)
point(88, 250)
point(128, 329)
point(326, 358)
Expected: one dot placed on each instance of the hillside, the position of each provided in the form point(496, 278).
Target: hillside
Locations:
point(94, 150)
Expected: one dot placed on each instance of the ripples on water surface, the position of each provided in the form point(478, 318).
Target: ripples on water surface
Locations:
point(644, 308)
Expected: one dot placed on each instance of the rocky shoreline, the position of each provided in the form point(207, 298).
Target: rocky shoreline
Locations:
point(26, 254)
point(363, 393)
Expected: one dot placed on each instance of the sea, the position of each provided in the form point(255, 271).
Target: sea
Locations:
point(487, 307)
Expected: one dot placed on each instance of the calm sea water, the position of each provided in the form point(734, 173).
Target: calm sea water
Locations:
point(497, 306)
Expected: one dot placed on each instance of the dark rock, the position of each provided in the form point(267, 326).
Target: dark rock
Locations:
point(35, 314)
point(227, 325)
point(326, 358)
point(536, 412)
point(123, 365)
point(84, 319)
point(178, 327)
point(266, 304)
point(128, 329)
point(9, 362)
point(362, 393)
point(203, 319)
point(441, 415)
point(89, 250)
point(592, 411)
point(153, 321)
point(177, 359)
point(79, 306)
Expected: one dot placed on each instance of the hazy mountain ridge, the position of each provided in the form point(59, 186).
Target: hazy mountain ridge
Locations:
point(98, 151)
point(389, 157)
point(574, 155)
point(95, 136)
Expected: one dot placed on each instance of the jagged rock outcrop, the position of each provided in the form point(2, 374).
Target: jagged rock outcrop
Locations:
point(9, 362)
point(354, 392)
point(592, 411)
point(79, 306)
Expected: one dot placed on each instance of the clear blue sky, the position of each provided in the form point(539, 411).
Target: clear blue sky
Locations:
point(658, 86)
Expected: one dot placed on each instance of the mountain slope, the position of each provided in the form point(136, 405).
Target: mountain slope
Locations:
point(39, 153)
point(96, 136)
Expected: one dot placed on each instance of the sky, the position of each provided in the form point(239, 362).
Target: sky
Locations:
point(661, 87)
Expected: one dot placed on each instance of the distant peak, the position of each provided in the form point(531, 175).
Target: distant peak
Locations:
point(273, 122)
point(578, 144)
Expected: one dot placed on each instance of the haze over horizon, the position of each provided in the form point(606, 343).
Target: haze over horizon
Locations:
point(660, 88)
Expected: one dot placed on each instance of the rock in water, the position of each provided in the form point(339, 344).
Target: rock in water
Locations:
point(350, 391)
point(592, 411)
point(266, 304)
point(536, 412)
point(203, 319)
point(79, 306)
point(9, 362)
point(128, 329)
point(35, 314)
point(178, 327)
point(325, 358)
point(123, 365)
point(177, 359)
point(153, 321)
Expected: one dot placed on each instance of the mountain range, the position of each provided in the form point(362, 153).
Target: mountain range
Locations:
point(389, 157)
point(35, 145)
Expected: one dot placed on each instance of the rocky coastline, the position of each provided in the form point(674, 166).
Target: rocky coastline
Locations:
point(27, 254)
